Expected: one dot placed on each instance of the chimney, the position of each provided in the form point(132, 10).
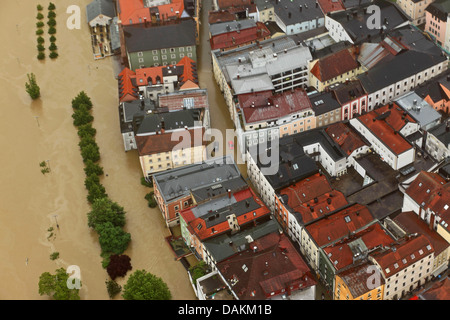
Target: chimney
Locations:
point(229, 194)
point(300, 8)
point(289, 15)
point(317, 4)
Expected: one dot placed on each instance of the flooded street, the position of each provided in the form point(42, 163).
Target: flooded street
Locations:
point(42, 130)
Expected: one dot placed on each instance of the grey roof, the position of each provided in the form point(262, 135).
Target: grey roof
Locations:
point(439, 8)
point(422, 112)
point(139, 38)
point(442, 133)
point(203, 193)
point(178, 182)
point(224, 27)
point(231, 57)
point(114, 33)
point(153, 122)
point(254, 73)
point(224, 246)
point(98, 7)
point(129, 110)
point(323, 102)
point(289, 12)
point(422, 54)
point(355, 20)
point(217, 210)
point(433, 87)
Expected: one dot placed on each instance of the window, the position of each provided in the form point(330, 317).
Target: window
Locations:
point(140, 54)
point(176, 208)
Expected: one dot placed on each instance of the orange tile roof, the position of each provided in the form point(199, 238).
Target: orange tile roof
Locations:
point(189, 72)
point(386, 130)
point(133, 10)
point(127, 91)
point(143, 75)
point(330, 6)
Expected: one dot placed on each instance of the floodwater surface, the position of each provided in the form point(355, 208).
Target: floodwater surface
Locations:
point(42, 130)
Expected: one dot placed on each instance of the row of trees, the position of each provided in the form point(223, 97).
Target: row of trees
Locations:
point(51, 31)
point(107, 217)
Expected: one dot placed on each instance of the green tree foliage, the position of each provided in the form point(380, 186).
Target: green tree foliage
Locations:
point(151, 200)
point(96, 191)
point(86, 130)
point(104, 210)
point(52, 39)
point(113, 240)
point(40, 16)
point(90, 152)
point(40, 47)
point(39, 24)
point(39, 7)
point(31, 87)
point(92, 168)
point(51, 6)
point(85, 141)
point(113, 288)
point(51, 22)
point(41, 56)
point(82, 115)
point(142, 285)
point(146, 183)
point(82, 99)
point(53, 55)
point(53, 47)
point(51, 14)
point(51, 30)
point(55, 286)
point(39, 32)
point(40, 40)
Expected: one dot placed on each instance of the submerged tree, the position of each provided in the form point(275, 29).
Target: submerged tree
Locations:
point(55, 286)
point(142, 285)
point(31, 87)
point(118, 265)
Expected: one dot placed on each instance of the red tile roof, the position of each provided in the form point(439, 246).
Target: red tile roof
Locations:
point(237, 4)
point(339, 224)
point(345, 136)
point(411, 223)
point(274, 268)
point(431, 191)
point(439, 291)
point(204, 232)
point(385, 128)
point(340, 253)
point(402, 255)
point(357, 278)
point(334, 65)
point(235, 38)
point(310, 197)
point(157, 143)
point(220, 16)
point(264, 106)
point(330, 6)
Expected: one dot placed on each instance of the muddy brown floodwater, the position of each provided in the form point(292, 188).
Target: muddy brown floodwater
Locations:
point(42, 130)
